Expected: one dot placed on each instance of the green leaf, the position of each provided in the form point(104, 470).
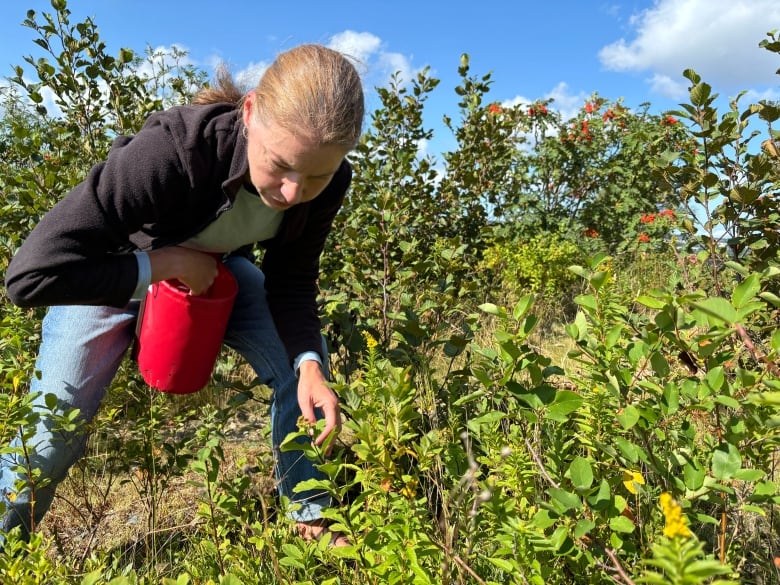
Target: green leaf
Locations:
point(522, 307)
point(692, 76)
point(715, 379)
point(51, 401)
point(621, 524)
point(581, 473)
point(560, 541)
point(492, 309)
point(718, 308)
point(671, 398)
point(749, 308)
point(754, 509)
point(700, 93)
point(125, 55)
point(765, 488)
point(503, 564)
point(737, 267)
point(564, 404)
point(601, 499)
point(572, 330)
point(542, 519)
point(749, 474)
point(628, 417)
point(727, 401)
point(454, 346)
point(566, 499)
point(771, 298)
point(587, 301)
point(650, 302)
point(768, 398)
point(659, 363)
point(726, 461)
point(613, 335)
point(92, 578)
point(598, 279)
point(490, 419)
point(628, 449)
point(583, 527)
point(292, 557)
point(693, 476)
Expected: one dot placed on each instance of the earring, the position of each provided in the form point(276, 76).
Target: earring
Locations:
point(245, 132)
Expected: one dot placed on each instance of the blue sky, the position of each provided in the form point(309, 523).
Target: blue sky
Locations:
point(561, 49)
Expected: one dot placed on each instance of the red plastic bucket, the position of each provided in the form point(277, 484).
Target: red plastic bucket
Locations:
point(180, 335)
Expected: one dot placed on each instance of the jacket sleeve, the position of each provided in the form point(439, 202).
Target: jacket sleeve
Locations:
point(291, 269)
point(79, 253)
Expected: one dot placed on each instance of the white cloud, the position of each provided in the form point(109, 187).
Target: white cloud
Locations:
point(423, 147)
point(566, 103)
point(360, 46)
point(162, 64)
point(364, 49)
point(717, 38)
point(768, 94)
point(251, 74)
point(375, 64)
point(52, 109)
point(666, 86)
point(49, 99)
point(163, 58)
point(391, 63)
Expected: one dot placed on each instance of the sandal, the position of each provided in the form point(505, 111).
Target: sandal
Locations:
point(316, 530)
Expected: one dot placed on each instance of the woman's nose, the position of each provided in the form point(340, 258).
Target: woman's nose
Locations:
point(292, 188)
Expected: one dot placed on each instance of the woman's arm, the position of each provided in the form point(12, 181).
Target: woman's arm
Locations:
point(79, 253)
point(291, 268)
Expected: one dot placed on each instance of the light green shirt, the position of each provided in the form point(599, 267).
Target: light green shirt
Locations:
point(247, 222)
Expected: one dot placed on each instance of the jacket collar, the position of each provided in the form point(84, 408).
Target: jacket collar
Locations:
point(239, 165)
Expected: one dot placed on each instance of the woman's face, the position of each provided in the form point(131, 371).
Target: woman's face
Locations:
point(287, 169)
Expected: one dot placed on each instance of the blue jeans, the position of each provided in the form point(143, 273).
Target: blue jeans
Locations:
point(81, 351)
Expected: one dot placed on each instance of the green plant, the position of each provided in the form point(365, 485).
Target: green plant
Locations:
point(678, 555)
point(469, 454)
point(727, 185)
point(26, 563)
point(539, 266)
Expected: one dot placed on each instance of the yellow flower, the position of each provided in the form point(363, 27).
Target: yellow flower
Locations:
point(409, 491)
point(630, 478)
point(371, 343)
point(676, 524)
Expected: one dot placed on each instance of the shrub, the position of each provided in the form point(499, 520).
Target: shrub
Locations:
point(538, 266)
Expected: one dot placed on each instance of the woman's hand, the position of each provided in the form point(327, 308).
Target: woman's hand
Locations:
point(313, 392)
point(196, 270)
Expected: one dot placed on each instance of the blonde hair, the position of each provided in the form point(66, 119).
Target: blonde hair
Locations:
point(224, 90)
point(311, 90)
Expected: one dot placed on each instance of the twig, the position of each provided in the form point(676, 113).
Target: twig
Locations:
point(464, 565)
point(618, 567)
point(722, 534)
point(540, 464)
point(772, 367)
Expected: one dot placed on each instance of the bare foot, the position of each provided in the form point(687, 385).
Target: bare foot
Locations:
point(319, 529)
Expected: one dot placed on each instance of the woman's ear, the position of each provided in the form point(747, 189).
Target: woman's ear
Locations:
point(248, 103)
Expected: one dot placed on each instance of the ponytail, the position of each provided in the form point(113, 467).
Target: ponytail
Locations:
point(223, 90)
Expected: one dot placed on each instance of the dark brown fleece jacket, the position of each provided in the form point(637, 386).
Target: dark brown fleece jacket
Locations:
point(160, 188)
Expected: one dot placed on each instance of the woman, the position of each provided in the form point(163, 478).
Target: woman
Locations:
point(214, 177)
